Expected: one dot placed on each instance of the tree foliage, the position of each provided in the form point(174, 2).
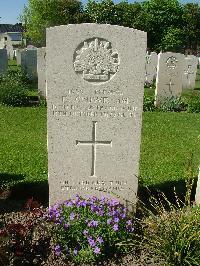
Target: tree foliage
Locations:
point(39, 15)
point(170, 25)
point(191, 25)
point(173, 40)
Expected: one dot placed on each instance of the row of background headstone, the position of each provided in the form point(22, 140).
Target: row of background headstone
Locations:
point(173, 73)
point(33, 63)
point(189, 73)
point(168, 81)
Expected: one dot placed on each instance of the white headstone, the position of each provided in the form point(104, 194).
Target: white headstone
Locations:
point(29, 63)
point(95, 101)
point(192, 70)
point(3, 61)
point(41, 70)
point(150, 67)
point(154, 59)
point(197, 197)
point(18, 56)
point(169, 76)
point(10, 50)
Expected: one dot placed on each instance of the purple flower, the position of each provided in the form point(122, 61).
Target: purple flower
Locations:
point(93, 224)
point(83, 203)
point(91, 241)
point(75, 251)
point(130, 229)
point(57, 214)
point(100, 212)
point(114, 202)
point(100, 240)
point(69, 204)
point(57, 250)
point(97, 250)
point(85, 232)
point(123, 215)
point(103, 198)
point(116, 227)
point(116, 220)
point(93, 208)
point(67, 225)
point(109, 221)
point(72, 216)
point(129, 222)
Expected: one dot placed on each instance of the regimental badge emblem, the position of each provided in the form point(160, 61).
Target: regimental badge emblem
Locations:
point(95, 60)
point(171, 62)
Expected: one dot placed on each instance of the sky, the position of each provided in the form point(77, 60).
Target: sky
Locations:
point(11, 9)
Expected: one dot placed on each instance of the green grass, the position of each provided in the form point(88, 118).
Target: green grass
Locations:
point(168, 142)
point(23, 150)
point(168, 139)
point(12, 64)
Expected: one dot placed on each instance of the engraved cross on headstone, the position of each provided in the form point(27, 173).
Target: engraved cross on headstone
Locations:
point(94, 143)
point(170, 84)
point(188, 73)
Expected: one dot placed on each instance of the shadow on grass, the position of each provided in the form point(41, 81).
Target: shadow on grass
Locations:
point(39, 191)
point(14, 192)
point(7, 178)
point(13, 198)
point(172, 191)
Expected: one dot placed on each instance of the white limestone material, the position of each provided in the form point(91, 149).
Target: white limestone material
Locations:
point(192, 70)
point(18, 56)
point(169, 76)
point(41, 70)
point(151, 67)
point(29, 63)
point(95, 76)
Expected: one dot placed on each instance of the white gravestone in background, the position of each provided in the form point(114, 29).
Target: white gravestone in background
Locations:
point(148, 70)
point(150, 67)
point(10, 50)
point(29, 63)
point(189, 73)
point(18, 56)
point(193, 70)
point(41, 70)
point(154, 59)
point(197, 196)
point(3, 61)
point(95, 101)
point(169, 76)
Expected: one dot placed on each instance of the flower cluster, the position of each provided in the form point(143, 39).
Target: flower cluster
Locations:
point(90, 226)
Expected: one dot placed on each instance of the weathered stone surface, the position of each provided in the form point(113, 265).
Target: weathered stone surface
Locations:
point(10, 50)
point(189, 73)
point(95, 76)
point(18, 56)
point(169, 76)
point(3, 61)
point(154, 59)
point(29, 63)
point(41, 70)
point(151, 67)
